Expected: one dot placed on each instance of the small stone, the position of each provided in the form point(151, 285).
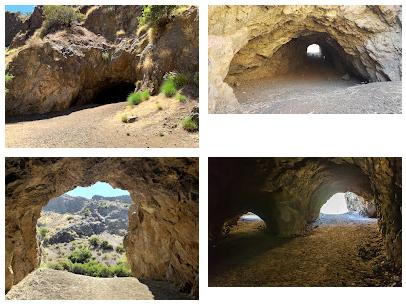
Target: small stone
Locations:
point(132, 119)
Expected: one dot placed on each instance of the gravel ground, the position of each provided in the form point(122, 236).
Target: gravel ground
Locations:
point(318, 91)
point(101, 126)
point(48, 284)
point(343, 250)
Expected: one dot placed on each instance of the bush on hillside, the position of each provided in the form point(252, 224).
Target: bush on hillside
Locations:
point(80, 255)
point(152, 14)
point(168, 88)
point(105, 245)
point(59, 16)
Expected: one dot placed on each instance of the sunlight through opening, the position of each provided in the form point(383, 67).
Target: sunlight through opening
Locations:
point(335, 205)
point(313, 50)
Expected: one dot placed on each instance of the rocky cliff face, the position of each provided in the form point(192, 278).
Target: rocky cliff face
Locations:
point(246, 42)
point(287, 193)
point(162, 237)
point(74, 65)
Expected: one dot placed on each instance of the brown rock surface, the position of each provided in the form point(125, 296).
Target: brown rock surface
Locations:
point(72, 66)
point(247, 42)
point(162, 239)
point(287, 193)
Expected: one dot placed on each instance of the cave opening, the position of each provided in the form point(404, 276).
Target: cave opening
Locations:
point(103, 93)
point(310, 65)
point(82, 231)
point(335, 205)
point(245, 223)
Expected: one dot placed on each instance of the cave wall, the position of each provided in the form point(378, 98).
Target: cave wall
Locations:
point(369, 36)
point(162, 238)
point(287, 193)
point(69, 67)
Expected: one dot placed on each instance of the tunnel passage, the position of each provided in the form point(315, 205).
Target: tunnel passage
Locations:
point(108, 92)
point(166, 194)
point(244, 39)
point(288, 193)
point(292, 62)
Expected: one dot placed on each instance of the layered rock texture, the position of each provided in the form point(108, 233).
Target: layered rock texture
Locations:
point(162, 237)
point(249, 42)
point(287, 193)
point(79, 64)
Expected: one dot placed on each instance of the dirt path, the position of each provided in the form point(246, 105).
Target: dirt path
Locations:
point(318, 91)
point(340, 251)
point(48, 284)
point(101, 126)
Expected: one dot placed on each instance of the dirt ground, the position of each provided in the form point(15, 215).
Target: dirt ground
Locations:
point(341, 250)
point(318, 89)
point(48, 284)
point(101, 126)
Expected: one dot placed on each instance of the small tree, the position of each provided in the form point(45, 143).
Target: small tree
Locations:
point(59, 16)
point(105, 245)
point(152, 14)
point(80, 256)
point(94, 241)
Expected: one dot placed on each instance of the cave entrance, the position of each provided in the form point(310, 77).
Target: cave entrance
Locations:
point(248, 222)
point(112, 92)
point(296, 77)
point(335, 205)
point(314, 50)
point(82, 231)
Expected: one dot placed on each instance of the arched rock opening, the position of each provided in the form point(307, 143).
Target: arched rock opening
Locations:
point(162, 238)
point(365, 39)
point(289, 192)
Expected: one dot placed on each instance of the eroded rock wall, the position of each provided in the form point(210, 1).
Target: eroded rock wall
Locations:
point(287, 193)
point(162, 239)
point(366, 38)
point(70, 67)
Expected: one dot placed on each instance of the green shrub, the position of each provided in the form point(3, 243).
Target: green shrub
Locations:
point(105, 245)
point(120, 249)
point(86, 212)
point(120, 270)
point(151, 14)
point(180, 97)
point(179, 79)
point(168, 87)
point(94, 241)
point(189, 125)
point(55, 266)
point(59, 16)
point(145, 95)
point(43, 231)
point(8, 79)
point(134, 98)
point(80, 255)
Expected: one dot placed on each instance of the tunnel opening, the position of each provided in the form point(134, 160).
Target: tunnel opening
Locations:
point(306, 67)
point(245, 223)
point(103, 93)
point(82, 231)
point(335, 205)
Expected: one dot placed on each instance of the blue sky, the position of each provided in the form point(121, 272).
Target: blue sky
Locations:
point(20, 8)
point(99, 188)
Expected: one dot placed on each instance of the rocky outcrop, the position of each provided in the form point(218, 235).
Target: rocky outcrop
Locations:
point(162, 237)
point(287, 193)
point(247, 42)
point(15, 23)
point(76, 66)
point(359, 205)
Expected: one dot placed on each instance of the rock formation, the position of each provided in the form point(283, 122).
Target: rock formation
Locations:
point(162, 237)
point(359, 205)
point(247, 42)
point(76, 65)
point(287, 193)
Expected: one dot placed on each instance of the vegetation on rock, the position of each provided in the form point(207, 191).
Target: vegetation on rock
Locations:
point(168, 87)
point(59, 16)
point(151, 14)
point(189, 124)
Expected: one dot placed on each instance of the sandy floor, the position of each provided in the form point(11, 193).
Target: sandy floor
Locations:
point(101, 126)
point(340, 251)
point(47, 284)
point(317, 90)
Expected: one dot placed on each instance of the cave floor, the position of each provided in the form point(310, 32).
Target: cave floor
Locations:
point(101, 126)
point(339, 251)
point(320, 90)
point(48, 284)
